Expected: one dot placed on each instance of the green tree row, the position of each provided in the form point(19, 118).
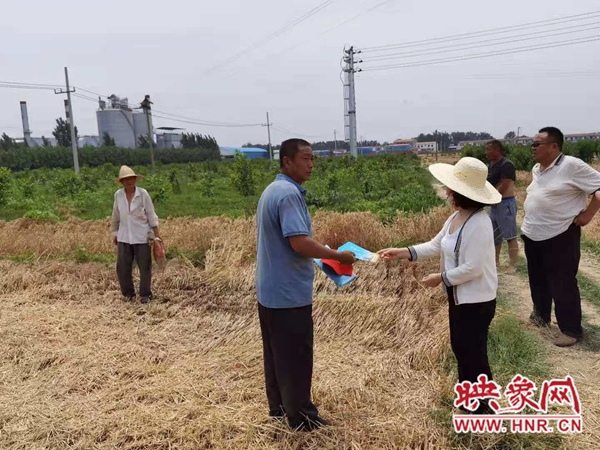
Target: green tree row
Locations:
point(24, 158)
point(522, 156)
point(191, 140)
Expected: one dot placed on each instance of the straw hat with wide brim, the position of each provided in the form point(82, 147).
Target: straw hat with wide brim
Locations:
point(469, 178)
point(127, 172)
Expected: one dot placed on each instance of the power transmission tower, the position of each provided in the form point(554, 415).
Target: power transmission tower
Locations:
point(350, 99)
point(70, 119)
point(146, 108)
point(268, 125)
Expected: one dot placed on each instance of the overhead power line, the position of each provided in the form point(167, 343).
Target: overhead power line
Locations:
point(46, 86)
point(12, 86)
point(208, 124)
point(486, 55)
point(290, 132)
point(204, 122)
point(269, 38)
point(170, 116)
point(483, 44)
point(489, 32)
point(322, 33)
point(91, 92)
point(85, 97)
point(360, 14)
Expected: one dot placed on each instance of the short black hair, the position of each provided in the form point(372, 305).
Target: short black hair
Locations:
point(497, 145)
point(466, 203)
point(290, 147)
point(555, 135)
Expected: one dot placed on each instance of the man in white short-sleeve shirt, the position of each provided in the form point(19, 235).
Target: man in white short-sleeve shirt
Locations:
point(555, 210)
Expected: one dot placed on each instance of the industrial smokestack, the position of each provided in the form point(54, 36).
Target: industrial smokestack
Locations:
point(26, 130)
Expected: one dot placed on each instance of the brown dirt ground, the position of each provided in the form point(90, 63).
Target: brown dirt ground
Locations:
point(579, 361)
point(81, 370)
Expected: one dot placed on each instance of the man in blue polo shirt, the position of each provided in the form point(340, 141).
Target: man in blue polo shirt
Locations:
point(284, 286)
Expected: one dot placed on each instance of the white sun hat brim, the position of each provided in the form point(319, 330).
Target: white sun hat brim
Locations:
point(486, 194)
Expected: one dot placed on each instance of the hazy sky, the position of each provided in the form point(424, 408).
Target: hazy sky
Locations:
point(133, 47)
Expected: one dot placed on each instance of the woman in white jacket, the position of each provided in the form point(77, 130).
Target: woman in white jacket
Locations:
point(465, 246)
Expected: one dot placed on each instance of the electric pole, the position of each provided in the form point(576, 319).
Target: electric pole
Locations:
point(268, 125)
point(146, 108)
point(70, 119)
point(350, 99)
point(334, 143)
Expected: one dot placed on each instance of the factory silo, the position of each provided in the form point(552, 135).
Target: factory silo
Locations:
point(172, 140)
point(140, 126)
point(118, 123)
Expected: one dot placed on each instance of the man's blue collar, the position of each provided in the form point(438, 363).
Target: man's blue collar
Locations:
point(284, 177)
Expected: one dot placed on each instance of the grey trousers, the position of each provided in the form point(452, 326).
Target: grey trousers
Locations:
point(143, 256)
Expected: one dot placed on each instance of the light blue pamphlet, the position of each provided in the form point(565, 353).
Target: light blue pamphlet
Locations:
point(342, 280)
point(360, 253)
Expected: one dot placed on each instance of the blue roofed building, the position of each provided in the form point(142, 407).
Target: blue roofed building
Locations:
point(250, 152)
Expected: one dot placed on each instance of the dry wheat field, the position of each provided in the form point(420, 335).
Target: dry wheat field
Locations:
point(79, 369)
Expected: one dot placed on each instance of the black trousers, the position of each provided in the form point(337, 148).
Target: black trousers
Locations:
point(469, 327)
point(287, 336)
point(143, 256)
point(552, 265)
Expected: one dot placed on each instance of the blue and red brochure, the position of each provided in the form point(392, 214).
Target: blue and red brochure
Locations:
point(337, 272)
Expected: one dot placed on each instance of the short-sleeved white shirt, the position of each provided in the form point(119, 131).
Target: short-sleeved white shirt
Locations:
point(556, 196)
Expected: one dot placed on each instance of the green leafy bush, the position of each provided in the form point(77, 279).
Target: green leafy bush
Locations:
point(158, 187)
point(242, 177)
point(5, 184)
point(41, 215)
point(206, 184)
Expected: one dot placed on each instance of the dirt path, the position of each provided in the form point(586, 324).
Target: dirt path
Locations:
point(590, 267)
point(582, 361)
point(579, 361)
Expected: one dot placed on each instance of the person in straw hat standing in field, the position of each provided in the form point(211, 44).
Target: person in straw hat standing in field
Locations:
point(284, 287)
point(468, 273)
point(133, 222)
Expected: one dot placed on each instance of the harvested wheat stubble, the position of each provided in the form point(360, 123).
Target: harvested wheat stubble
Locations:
point(55, 240)
point(81, 370)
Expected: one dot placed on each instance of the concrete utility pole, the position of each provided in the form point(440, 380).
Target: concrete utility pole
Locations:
point(146, 108)
point(350, 99)
point(334, 142)
point(268, 125)
point(70, 119)
point(26, 130)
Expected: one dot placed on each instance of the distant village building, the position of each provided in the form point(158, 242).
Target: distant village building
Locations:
point(426, 146)
point(405, 142)
point(524, 140)
point(582, 137)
